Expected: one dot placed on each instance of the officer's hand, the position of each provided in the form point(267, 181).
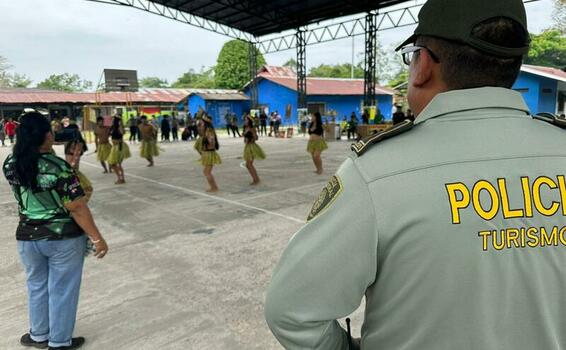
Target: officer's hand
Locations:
point(101, 248)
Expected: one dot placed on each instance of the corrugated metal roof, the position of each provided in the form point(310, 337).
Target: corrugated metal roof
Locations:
point(325, 86)
point(31, 96)
point(549, 72)
point(234, 96)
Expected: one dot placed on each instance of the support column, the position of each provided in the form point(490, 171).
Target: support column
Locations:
point(301, 69)
point(370, 59)
point(252, 62)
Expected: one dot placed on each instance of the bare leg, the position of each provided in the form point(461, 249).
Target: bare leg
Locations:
point(150, 160)
point(317, 162)
point(253, 172)
point(121, 174)
point(104, 167)
point(210, 178)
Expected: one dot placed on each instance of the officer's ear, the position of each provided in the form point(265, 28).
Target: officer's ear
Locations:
point(422, 68)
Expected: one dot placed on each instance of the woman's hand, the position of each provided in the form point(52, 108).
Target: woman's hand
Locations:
point(101, 248)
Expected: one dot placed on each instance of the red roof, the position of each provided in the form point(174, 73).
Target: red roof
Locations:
point(30, 96)
point(549, 72)
point(318, 86)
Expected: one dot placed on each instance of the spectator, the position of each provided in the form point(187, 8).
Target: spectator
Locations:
point(263, 123)
point(365, 117)
point(410, 115)
point(132, 124)
point(10, 129)
point(398, 116)
point(234, 123)
point(2, 132)
point(352, 126)
point(175, 127)
point(228, 121)
point(165, 129)
point(55, 223)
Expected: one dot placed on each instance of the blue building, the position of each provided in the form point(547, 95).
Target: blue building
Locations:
point(277, 92)
point(218, 103)
point(543, 88)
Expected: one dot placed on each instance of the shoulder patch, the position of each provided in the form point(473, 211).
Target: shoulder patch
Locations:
point(326, 197)
point(363, 145)
point(551, 119)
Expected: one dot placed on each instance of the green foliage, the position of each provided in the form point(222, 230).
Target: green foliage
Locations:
point(548, 49)
point(11, 80)
point(153, 82)
point(198, 80)
point(65, 82)
point(397, 82)
point(232, 70)
point(559, 15)
point(19, 80)
point(337, 71)
point(291, 63)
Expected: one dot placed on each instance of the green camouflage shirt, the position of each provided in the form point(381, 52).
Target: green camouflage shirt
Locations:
point(42, 213)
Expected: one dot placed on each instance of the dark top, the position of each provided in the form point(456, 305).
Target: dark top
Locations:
point(317, 131)
point(249, 136)
point(398, 117)
point(207, 147)
point(116, 133)
point(79, 139)
point(42, 213)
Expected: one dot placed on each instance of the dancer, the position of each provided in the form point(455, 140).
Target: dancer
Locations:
point(102, 142)
point(209, 156)
point(251, 150)
point(149, 147)
point(199, 136)
point(119, 151)
point(316, 143)
point(73, 152)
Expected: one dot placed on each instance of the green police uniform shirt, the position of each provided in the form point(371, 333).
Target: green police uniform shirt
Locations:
point(42, 213)
point(454, 231)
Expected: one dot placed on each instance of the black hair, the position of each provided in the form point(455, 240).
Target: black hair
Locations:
point(30, 136)
point(99, 119)
point(318, 118)
point(464, 67)
point(248, 122)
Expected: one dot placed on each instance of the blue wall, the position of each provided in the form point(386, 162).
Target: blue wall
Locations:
point(218, 109)
point(532, 86)
point(276, 97)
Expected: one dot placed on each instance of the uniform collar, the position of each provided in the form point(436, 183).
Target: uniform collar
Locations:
point(469, 99)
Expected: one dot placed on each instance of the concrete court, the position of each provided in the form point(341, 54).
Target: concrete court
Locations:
point(186, 270)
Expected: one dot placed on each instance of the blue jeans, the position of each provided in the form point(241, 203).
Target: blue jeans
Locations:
point(54, 271)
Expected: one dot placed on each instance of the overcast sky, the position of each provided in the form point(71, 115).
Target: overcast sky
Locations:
point(43, 37)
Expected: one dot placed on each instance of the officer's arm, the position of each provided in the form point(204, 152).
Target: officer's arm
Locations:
point(325, 270)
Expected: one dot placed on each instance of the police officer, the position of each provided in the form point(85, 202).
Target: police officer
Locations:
point(459, 237)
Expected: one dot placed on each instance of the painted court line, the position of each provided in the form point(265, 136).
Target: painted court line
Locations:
point(218, 199)
point(318, 184)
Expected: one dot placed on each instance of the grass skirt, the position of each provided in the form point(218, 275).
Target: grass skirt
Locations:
point(253, 151)
point(118, 155)
point(103, 152)
point(85, 184)
point(316, 145)
point(198, 145)
point(210, 158)
point(149, 149)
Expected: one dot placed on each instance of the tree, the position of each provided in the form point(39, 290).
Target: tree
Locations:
point(198, 80)
point(153, 82)
point(11, 80)
point(232, 70)
point(343, 70)
point(19, 81)
point(559, 15)
point(548, 49)
point(291, 63)
point(65, 82)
